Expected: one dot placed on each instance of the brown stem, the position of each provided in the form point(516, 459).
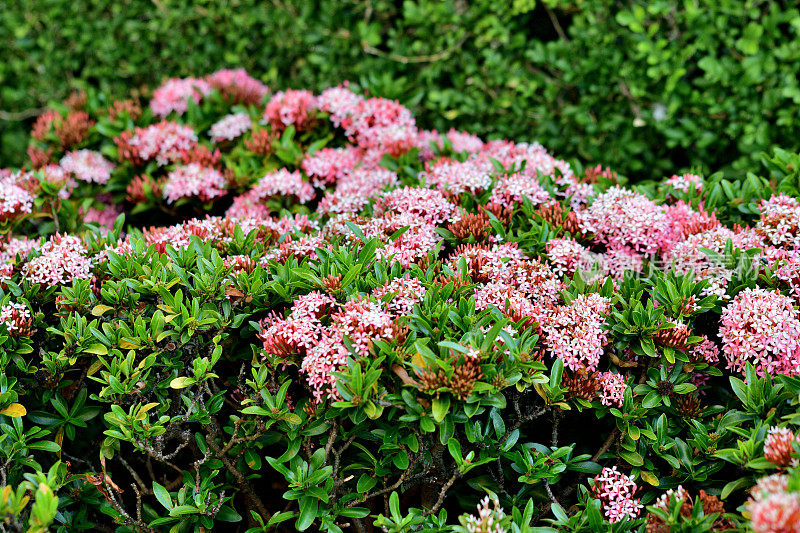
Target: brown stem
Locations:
point(380, 492)
point(556, 24)
point(15, 116)
point(250, 496)
point(443, 493)
point(606, 445)
point(331, 440)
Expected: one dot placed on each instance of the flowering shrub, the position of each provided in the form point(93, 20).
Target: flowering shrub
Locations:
point(301, 311)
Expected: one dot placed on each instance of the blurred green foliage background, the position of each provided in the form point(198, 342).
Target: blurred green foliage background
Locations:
point(647, 87)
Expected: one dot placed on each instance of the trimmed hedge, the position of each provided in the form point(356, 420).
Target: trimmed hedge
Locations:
point(645, 89)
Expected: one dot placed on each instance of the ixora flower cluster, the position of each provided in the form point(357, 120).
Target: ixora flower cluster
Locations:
point(222, 294)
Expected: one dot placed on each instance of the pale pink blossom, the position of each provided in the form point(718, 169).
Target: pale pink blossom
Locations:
point(194, 181)
point(88, 166)
point(230, 127)
point(173, 95)
point(762, 328)
point(616, 492)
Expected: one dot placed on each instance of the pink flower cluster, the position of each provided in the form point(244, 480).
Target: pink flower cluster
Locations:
point(762, 328)
point(403, 294)
point(472, 175)
point(685, 183)
point(381, 124)
point(509, 190)
point(322, 348)
point(355, 189)
point(706, 351)
point(415, 243)
point(512, 302)
point(280, 183)
point(62, 260)
point(230, 127)
point(536, 159)
point(301, 330)
point(339, 102)
point(11, 247)
point(165, 142)
point(239, 80)
point(786, 265)
point(522, 289)
point(424, 204)
point(772, 508)
point(622, 218)
point(779, 446)
point(575, 334)
point(568, 256)
point(780, 221)
point(173, 95)
point(532, 277)
point(329, 165)
point(327, 356)
point(291, 107)
point(14, 200)
point(612, 388)
point(16, 317)
point(88, 166)
point(194, 181)
point(488, 520)
point(464, 142)
point(616, 492)
point(363, 321)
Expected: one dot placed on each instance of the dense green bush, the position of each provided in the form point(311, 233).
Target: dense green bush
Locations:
point(647, 88)
point(382, 327)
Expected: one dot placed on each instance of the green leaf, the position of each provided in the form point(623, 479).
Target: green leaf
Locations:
point(733, 486)
point(400, 459)
point(365, 483)
point(559, 512)
point(633, 458)
point(228, 514)
point(182, 382)
point(394, 505)
point(454, 447)
point(162, 495)
point(440, 407)
point(308, 513)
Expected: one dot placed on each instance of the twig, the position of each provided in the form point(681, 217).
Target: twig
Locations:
point(331, 440)
point(241, 481)
point(16, 116)
point(606, 445)
point(550, 493)
point(138, 502)
point(135, 476)
point(112, 499)
point(533, 415)
point(442, 493)
point(556, 421)
point(402, 479)
point(432, 58)
point(337, 454)
point(556, 25)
